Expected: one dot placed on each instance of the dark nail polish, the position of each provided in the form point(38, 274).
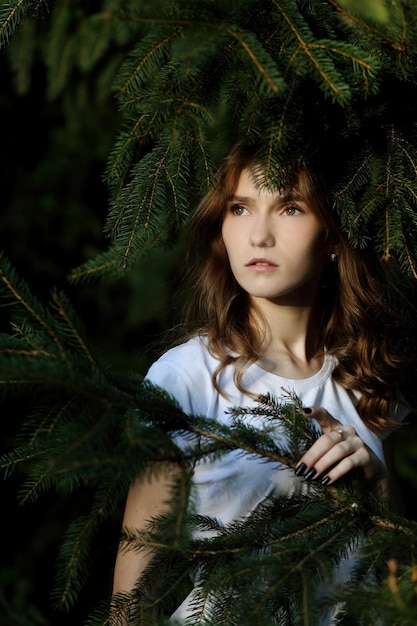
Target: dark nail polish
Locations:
point(310, 474)
point(325, 480)
point(300, 469)
point(307, 410)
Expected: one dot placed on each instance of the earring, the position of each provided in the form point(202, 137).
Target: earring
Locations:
point(333, 257)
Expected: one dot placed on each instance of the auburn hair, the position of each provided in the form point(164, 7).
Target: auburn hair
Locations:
point(358, 320)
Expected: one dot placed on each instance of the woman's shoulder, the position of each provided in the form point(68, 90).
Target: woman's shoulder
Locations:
point(192, 352)
point(187, 363)
point(184, 370)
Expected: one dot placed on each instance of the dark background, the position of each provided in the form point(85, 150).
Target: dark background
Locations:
point(54, 203)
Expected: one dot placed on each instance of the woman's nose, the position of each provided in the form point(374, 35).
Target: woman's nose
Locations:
point(261, 235)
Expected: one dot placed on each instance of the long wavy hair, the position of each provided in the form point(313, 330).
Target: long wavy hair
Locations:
point(358, 321)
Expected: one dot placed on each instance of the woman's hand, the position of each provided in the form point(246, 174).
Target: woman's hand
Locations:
point(337, 452)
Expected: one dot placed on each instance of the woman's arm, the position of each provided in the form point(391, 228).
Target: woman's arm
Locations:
point(148, 497)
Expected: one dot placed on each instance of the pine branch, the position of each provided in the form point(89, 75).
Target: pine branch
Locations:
point(72, 443)
point(10, 16)
point(287, 76)
point(99, 429)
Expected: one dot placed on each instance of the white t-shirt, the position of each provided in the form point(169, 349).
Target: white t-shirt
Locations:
point(229, 487)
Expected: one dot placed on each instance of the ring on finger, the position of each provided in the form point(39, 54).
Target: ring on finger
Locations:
point(340, 434)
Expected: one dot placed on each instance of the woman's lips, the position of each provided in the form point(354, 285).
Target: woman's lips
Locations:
point(261, 265)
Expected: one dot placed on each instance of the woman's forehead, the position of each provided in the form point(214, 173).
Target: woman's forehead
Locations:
point(253, 178)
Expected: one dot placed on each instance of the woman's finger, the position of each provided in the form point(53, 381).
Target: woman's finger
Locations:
point(325, 420)
point(337, 443)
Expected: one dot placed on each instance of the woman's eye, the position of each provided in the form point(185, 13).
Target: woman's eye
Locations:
point(292, 210)
point(238, 209)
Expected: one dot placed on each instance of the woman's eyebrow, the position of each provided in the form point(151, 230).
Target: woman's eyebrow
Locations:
point(240, 199)
point(291, 194)
point(287, 195)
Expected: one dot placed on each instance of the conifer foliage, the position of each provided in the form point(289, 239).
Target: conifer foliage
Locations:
point(333, 83)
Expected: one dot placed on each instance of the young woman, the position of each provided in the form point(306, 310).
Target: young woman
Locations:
point(280, 300)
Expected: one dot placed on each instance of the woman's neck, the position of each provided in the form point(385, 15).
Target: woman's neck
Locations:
point(292, 347)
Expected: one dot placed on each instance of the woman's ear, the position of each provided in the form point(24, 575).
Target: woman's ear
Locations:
point(333, 248)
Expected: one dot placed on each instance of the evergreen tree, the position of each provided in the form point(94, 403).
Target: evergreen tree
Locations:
point(332, 80)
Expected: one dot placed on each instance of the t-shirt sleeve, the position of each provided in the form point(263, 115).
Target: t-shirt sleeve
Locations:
point(176, 383)
point(180, 376)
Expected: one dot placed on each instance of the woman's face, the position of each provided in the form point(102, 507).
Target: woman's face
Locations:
point(275, 243)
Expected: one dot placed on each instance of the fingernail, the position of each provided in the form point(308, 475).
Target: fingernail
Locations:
point(300, 469)
point(310, 474)
point(307, 410)
point(325, 480)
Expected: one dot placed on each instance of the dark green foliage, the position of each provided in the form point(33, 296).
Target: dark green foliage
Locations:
point(305, 79)
point(331, 83)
